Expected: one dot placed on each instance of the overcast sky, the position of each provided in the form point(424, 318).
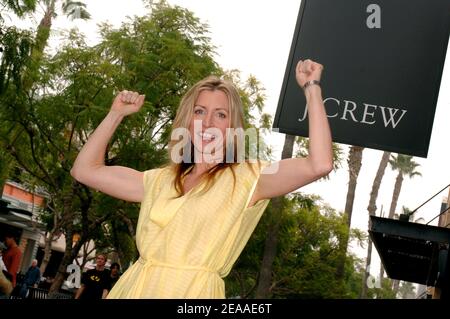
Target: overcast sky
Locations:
point(255, 37)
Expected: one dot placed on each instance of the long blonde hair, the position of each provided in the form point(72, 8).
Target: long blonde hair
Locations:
point(183, 119)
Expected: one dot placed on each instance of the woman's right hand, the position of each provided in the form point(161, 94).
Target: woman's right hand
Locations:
point(89, 167)
point(127, 102)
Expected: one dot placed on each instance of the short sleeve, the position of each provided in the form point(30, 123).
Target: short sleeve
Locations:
point(151, 180)
point(252, 173)
point(154, 182)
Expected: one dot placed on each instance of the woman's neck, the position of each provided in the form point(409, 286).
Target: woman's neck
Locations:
point(200, 168)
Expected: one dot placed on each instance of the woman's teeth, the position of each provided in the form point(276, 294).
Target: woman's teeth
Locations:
point(207, 136)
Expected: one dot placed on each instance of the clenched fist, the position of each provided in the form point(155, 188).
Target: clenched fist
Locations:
point(306, 71)
point(127, 102)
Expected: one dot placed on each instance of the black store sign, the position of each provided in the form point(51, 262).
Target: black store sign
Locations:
point(383, 64)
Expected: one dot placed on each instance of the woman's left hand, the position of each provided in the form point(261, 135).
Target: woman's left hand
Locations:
point(308, 70)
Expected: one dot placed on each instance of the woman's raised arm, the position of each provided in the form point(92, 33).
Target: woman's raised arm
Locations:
point(290, 174)
point(89, 167)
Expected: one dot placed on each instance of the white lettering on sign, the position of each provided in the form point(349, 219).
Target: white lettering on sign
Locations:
point(346, 111)
point(374, 19)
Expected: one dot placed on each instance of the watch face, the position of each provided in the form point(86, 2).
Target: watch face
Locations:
point(383, 64)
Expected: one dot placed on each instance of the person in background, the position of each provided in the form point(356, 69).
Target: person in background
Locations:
point(2, 249)
point(115, 273)
point(5, 278)
point(11, 257)
point(31, 279)
point(5, 286)
point(95, 283)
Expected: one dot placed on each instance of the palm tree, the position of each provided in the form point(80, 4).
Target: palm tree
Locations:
point(17, 6)
point(14, 43)
point(354, 166)
point(72, 9)
point(372, 208)
point(405, 165)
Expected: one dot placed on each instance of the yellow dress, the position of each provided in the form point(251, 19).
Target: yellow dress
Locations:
point(188, 244)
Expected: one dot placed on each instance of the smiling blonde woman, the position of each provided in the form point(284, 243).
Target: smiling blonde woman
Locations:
point(198, 213)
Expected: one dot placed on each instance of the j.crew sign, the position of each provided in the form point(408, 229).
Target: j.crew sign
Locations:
point(383, 64)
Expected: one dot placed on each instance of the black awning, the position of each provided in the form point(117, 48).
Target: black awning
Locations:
point(19, 218)
point(411, 252)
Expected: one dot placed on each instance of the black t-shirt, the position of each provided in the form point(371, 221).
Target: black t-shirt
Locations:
point(95, 281)
point(114, 280)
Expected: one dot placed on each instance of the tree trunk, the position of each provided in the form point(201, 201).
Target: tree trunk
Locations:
point(270, 247)
point(71, 251)
point(381, 273)
point(396, 194)
point(40, 43)
point(48, 243)
point(354, 166)
point(395, 286)
point(364, 287)
point(47, 251)
point(270, 251)
point(372, 208)
point(392, 208)
point(67, 259)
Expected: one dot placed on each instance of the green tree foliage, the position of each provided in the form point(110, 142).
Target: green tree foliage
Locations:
point(18, 7)
point(15, 48)
point(302, 145)
point(308, 254)
point(8, 34)
point(383, 292)
point(407, 290)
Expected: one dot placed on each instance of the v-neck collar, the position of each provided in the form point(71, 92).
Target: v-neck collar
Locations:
point(197, 185)
point(169, 202)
